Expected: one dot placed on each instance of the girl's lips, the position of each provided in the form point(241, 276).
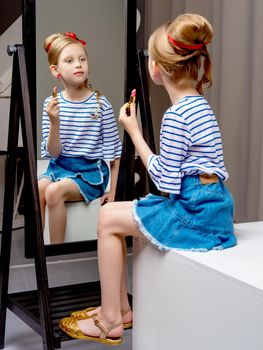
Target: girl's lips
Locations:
point(78, 73)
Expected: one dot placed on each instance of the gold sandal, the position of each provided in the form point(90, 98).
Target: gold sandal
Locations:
point(83, 314)
point(70, 326)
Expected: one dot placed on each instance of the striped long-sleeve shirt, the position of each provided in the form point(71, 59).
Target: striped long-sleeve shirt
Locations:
point(87, 129)
point(190, 144)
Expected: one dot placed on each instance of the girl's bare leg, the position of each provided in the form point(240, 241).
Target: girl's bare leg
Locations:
point(115, 223)
point(124, 290)
point(57, 193)
point(125, 306)
point(42, 186)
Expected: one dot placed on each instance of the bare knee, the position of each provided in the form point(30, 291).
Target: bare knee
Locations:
point(54, 195)
point(103, 221)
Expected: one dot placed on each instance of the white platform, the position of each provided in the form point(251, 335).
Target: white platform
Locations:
point(200, 301)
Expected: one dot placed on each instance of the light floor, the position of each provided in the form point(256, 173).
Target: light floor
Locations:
point(21, 337)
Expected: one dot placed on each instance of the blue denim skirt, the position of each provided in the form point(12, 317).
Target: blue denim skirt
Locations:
point(200, 218)
point(90, 175)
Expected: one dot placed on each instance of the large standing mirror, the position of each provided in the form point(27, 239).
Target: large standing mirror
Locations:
point(101, 23)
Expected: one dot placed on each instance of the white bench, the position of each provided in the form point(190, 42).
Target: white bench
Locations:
point(200, 301)
point(81, 217)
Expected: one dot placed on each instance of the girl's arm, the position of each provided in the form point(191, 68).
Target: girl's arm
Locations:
point(130, 124)
point(177, 137)
point(114, 170)
point(53, 142)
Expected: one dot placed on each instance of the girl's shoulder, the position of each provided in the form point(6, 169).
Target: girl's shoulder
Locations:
point(104, 100)
point(104, 103)
point(187, 104)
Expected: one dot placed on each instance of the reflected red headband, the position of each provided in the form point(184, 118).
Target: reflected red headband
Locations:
point(186, 46)
point(72, 36)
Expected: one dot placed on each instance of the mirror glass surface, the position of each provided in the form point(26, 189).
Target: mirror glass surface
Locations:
point(101, 24)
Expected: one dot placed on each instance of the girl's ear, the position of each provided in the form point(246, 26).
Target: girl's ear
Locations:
point(155, 70)
point(54, 70)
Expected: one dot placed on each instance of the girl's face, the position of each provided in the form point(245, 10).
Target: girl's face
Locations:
point(73, 65)
point(150, 66)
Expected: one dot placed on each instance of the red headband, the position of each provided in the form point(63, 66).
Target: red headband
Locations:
point(186, 46)
point(72, 36)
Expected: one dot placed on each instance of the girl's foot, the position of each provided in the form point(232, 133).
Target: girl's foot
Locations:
point(127, 318)
point(95, 328)
point(89, 312)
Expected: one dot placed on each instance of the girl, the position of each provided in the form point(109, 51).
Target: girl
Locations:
point(79, 134)
point(198, 214)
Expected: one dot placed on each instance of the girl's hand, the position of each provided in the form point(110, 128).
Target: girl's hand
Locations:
point(129, 123)
point(107, 197)
point(53, 108)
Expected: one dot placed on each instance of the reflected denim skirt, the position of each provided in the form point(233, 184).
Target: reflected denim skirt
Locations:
point(200, 218)
point(91, 176)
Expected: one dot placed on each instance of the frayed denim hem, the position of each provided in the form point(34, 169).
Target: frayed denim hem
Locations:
point(198, 250)
point(45, 177)
point(146, 233)
point(159, 245)
point(194, 250)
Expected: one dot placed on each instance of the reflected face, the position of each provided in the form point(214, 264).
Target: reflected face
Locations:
point(73, 64)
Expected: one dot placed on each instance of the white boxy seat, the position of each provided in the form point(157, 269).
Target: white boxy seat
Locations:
point(81, 217)
point(200, 301)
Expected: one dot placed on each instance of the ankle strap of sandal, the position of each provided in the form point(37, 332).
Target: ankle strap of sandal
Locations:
point(125, 311)
point(104, 331)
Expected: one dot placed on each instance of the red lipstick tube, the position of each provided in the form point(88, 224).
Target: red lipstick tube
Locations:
point(131, 100)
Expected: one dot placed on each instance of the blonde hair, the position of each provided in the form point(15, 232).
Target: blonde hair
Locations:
point(180, 61)
point(55, 43)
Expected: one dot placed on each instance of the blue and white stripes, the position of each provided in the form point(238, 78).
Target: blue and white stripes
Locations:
point(190, 143)
point(83, 131)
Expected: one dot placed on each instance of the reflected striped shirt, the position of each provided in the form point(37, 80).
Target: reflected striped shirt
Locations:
point(190, 144)
point(87, 129)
